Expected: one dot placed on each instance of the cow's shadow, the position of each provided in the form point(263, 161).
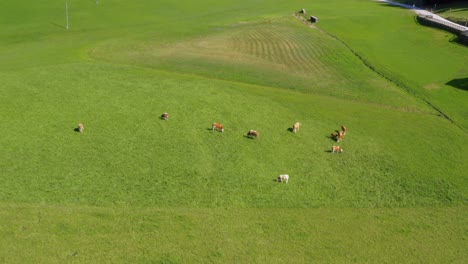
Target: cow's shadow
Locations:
point(76, 129)
point(290, 129)
point(249, 137)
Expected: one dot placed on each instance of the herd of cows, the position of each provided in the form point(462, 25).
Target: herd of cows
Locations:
point(338, 136)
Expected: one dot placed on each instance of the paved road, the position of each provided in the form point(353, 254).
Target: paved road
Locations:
point(423, 12)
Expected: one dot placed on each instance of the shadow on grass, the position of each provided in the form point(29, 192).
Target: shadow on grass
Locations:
point(290, 129)
point(461, 83)
point(249, 137)
point(58, 25)
point(76, 129)
point(332, 137)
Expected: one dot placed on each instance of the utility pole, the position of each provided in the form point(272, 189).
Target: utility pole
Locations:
point(66, 11)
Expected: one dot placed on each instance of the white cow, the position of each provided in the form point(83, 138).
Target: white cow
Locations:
point(296, 127)
point(337, 149)
point(283, 178)
point(80, 127)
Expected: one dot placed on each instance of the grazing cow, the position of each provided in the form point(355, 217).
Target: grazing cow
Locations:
point(165, 116)
point(253, 134)
point(296, 127)
point(217, 126)
point(334, 135)
point(340, 136)
point(80, 128)
point(283, 178)
point(337, 149)
point(344, 129)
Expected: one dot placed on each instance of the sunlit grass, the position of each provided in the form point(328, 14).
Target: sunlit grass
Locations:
point(135, 188)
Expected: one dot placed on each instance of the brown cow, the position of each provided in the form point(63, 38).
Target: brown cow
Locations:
point(80, 127)
point(337, 149)
point(340, 136)
point(165, 116)
point(253, 134)
point(344, 129)
point(333, 135)
point(217, 126)
point(296, 127)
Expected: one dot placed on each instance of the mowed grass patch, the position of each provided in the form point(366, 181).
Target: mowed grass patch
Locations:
point(34, 33)
point(278, 52)
point(179, 235)
point(127, 156)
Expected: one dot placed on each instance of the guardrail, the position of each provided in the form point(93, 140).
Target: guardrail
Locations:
point(459, 30)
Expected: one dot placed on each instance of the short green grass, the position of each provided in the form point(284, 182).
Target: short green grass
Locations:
point(425, 59)
point(45, 234)
point(456, 11)
point(135, 188)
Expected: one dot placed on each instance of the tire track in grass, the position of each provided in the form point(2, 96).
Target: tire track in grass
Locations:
point(309, 53)
point(279, 45)
point(298, 59)
point(293, 47)
point(287, 50)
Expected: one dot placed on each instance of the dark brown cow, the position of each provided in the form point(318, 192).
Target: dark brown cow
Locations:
point(253, 134)
point(165, 116)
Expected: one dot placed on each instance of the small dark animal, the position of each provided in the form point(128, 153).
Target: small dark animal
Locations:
point(253, 134)
point(165, 116)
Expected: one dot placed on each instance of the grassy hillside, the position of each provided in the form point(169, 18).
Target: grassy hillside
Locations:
point(135, 188)
point(422, 58)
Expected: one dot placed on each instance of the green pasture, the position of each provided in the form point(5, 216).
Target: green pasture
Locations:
point(427, 60)
point(135, 188)
point(457, 11)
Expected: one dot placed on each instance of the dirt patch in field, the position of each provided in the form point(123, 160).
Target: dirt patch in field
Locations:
point(432, 86)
